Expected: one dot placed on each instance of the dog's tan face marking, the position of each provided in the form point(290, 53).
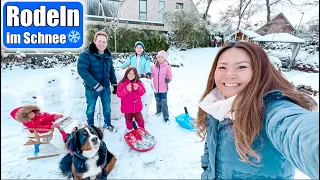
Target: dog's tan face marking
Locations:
point(87, 145)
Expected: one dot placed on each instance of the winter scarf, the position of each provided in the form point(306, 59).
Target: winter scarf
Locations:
point(217, 105)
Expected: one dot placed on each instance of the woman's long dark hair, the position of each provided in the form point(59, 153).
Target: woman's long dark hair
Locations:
point(248, 105)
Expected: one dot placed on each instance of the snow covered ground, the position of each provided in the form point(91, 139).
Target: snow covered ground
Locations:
point(176, 154)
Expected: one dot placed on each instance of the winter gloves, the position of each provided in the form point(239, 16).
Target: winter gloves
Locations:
point(98, 87)
point(168, 80)
point(114, 89)
point(148, 75)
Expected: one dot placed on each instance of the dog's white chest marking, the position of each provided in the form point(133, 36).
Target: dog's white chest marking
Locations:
point(93, 169)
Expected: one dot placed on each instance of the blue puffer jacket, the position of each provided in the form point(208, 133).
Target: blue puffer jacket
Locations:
point(289, 139)
point(145, 66)
point(96, 68)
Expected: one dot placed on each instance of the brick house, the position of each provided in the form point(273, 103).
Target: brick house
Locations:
point(278, 24)
point(145, 14)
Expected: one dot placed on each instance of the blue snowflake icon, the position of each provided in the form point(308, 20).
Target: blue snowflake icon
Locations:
point(74, 36)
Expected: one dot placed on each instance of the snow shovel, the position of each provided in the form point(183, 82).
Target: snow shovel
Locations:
point(139, 139)
point(185, 120)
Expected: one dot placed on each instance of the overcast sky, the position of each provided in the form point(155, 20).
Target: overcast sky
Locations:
point(291, 14)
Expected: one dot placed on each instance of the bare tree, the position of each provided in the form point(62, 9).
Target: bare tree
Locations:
point(198, 2)
point(113, 7)
point(300, 5)
point(245, 10)
point(253, 8)
point(243, 5)
point(207, 9)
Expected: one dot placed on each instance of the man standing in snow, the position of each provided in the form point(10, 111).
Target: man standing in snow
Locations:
point(96, 69)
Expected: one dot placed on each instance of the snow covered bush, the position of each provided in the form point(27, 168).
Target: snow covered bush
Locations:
point(186, 29)
point(37, 61)
point(275, 62)
point(304, 61)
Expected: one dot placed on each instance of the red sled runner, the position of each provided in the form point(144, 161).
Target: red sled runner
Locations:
point(139, 139)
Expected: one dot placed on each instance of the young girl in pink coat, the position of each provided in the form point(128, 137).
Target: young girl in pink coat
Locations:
point(130, 89)
point(162, 75)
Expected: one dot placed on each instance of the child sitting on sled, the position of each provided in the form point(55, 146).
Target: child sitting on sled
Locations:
point(130, 89)
point(31, 117)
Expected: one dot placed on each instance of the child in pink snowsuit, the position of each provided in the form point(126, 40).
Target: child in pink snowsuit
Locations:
point(130, 89)
point(31, 117)
point(162, 75)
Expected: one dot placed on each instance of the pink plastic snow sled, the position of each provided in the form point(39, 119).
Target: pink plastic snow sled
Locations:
point(139, 139)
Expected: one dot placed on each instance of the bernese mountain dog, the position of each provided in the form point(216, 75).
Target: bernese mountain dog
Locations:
point(88, 156)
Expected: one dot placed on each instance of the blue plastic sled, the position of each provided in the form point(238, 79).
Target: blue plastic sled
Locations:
point(185, 120)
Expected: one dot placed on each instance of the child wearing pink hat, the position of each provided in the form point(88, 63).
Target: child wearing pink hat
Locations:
point(162, 75)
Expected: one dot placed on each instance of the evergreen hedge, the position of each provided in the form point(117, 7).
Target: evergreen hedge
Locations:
point(153, 40)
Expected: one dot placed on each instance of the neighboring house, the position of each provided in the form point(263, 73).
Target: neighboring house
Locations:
point(152, 10)
point(242, 35)
point(278, 24)
point(145, 14)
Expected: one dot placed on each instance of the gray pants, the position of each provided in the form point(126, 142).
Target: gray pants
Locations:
point(162, 105)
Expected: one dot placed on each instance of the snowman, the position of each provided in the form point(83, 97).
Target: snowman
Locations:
point(76, 88)
point(29, 97)
point(52, 92)
point(115, 101)
point(76, 95)
point(147, 96)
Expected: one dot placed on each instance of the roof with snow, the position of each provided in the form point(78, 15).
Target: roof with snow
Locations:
point(280, 14)
point(249, 33)
point(279, 37)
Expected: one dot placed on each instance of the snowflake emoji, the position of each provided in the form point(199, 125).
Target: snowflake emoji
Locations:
point(74, 36)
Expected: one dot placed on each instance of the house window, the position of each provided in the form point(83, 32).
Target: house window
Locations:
point(179, 6)
point(161, 10)
point(143, 10)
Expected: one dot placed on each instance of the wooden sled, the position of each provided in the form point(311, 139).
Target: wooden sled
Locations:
point(36, 139)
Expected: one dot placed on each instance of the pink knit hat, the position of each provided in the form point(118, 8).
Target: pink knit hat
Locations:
point(163, 54)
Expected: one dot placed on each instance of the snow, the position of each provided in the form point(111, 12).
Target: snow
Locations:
point(303, 58)
point(279, 37)
point(177, 152)
point(217, 38)
point(275, 61)
point(249, 33)
point(301, 78)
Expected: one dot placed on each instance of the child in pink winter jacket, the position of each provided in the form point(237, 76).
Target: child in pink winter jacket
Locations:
point(162, 75)
point(130, 89)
